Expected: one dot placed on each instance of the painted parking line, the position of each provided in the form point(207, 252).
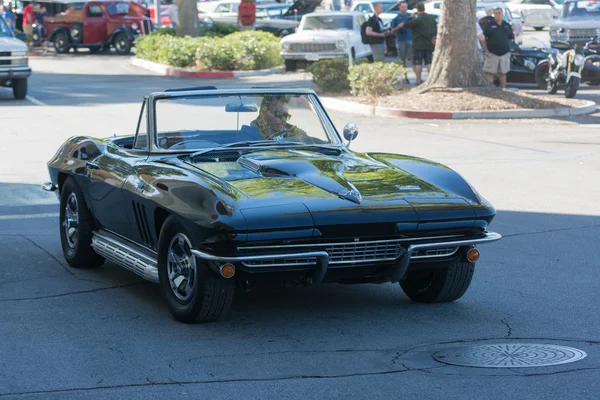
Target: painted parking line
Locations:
point(29, 216)
point(35, 101)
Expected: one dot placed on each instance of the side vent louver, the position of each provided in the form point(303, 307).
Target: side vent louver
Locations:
point(142, 224)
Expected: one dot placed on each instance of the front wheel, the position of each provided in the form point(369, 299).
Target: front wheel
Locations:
point(122, 44)
point(194, 293)
point(76, 228)
point(62, 44)
point(440, 283)
point(19, 87)
point(572, 87)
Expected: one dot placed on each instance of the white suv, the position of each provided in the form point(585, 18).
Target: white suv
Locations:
point(14, 64)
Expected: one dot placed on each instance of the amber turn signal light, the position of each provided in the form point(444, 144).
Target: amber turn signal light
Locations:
point(227, 270)
point(473, 255)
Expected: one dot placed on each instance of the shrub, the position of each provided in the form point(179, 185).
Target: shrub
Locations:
point(164, 31)
point(375, 79)
point(237, 51)
point(330, 75)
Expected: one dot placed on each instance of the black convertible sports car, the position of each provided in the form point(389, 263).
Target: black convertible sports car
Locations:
point(219, 189)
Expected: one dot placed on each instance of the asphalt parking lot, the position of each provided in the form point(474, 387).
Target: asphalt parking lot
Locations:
point(105, 333)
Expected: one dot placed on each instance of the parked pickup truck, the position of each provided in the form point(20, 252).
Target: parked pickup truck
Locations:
point(14, 64)
point(99, 24)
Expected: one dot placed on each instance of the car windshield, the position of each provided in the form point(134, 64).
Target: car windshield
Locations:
point(388, 4)
point(270, 12)
point(581, 10)
point(117, 8)
point(4, 29)
point(205, 122)
point(327, 22)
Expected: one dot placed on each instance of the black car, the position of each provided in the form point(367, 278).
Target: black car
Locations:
point(219, 189)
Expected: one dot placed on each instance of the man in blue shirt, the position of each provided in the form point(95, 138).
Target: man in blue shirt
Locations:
point(6, 13)
point(403, 35)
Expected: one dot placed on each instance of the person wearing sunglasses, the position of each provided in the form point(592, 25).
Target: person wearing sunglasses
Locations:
point(273, 116)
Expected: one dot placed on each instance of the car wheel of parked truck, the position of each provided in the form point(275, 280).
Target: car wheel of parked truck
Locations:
point(122, 44)
point(62, 44)
point(19, 87)
point(439, 282)
point(194, 292)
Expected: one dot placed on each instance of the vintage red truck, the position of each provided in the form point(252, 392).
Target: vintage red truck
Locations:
point(98, 25)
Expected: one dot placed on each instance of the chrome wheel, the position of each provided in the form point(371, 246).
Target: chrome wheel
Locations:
point(181, 268)
point(121, 44)
point(71, 221)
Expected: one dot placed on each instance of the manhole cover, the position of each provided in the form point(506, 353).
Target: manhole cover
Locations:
point(510, 355)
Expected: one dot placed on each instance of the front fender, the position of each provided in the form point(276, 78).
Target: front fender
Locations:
point(125, 30)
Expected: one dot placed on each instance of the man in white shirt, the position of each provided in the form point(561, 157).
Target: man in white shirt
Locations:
point(173, 10)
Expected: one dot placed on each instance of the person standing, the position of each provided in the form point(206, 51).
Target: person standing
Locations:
point(6, 13)
point(246, 15)
point(173, 12)
point(377, 32)
point(498, 35)
point(28, 20)
point(424, 32)
point(403, 35)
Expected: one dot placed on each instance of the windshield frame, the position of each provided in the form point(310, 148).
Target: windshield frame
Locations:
point(328, 126)
point(11, 34)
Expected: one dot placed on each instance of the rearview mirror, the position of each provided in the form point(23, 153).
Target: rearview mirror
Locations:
point(350, 132)
point(241, 107)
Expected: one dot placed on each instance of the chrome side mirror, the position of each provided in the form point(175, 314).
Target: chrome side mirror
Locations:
point(350, 132)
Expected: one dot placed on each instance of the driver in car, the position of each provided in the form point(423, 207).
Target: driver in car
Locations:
point(272, 120)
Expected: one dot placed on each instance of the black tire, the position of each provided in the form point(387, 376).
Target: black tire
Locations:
point(122, 44)
point(94, 49)
point(541, 75)
point(62, 43)
point(440, 284)
point(370, 58)
point(19, 87)
point(552, 87)
point(291, 65)
point(283, 33)
point(77, 250)
point(211, 296)
point(538, 28)
point(572, 87)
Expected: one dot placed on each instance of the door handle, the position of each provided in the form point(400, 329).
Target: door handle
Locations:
point(91, 165)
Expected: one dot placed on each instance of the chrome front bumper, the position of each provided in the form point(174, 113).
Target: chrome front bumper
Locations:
point(313, 56)
point(15, 72)
point(323, 257)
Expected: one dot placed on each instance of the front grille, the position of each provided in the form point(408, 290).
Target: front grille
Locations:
point(4, 53)
point(582, 33)
point(17, 61)
point(311, 47)
point(286, 262)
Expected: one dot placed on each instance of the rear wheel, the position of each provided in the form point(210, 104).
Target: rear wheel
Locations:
point(291, 65)
point(440, 283)
point(61, 43)
point(542, 72)
point(76, 228)
point(572, 87)
point(194, 293)
point(122, 44)
point(19, 87)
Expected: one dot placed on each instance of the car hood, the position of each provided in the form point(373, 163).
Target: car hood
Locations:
point(320, 35)
point(337, 188)
point(12, 44)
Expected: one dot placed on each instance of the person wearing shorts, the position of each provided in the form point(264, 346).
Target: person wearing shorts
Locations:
point(498, 35)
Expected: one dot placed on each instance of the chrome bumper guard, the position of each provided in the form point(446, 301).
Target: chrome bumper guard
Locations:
point(398, 270)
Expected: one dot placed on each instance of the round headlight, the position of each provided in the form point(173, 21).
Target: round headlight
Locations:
point(340, 45)
point(578, 60)
point(134, 26)
point(285, 46)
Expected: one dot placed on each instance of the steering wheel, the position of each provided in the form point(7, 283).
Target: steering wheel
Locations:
point(282, 132)
point(185, 143)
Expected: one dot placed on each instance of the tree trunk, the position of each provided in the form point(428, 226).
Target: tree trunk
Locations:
point(187, 13)
point(456, 61)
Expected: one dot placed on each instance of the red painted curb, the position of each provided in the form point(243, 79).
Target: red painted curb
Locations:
point(389, 112)
point(182, 73)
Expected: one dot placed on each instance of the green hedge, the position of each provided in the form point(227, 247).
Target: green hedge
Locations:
point(237, 51)
point(375, 79)
point(330, 75)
